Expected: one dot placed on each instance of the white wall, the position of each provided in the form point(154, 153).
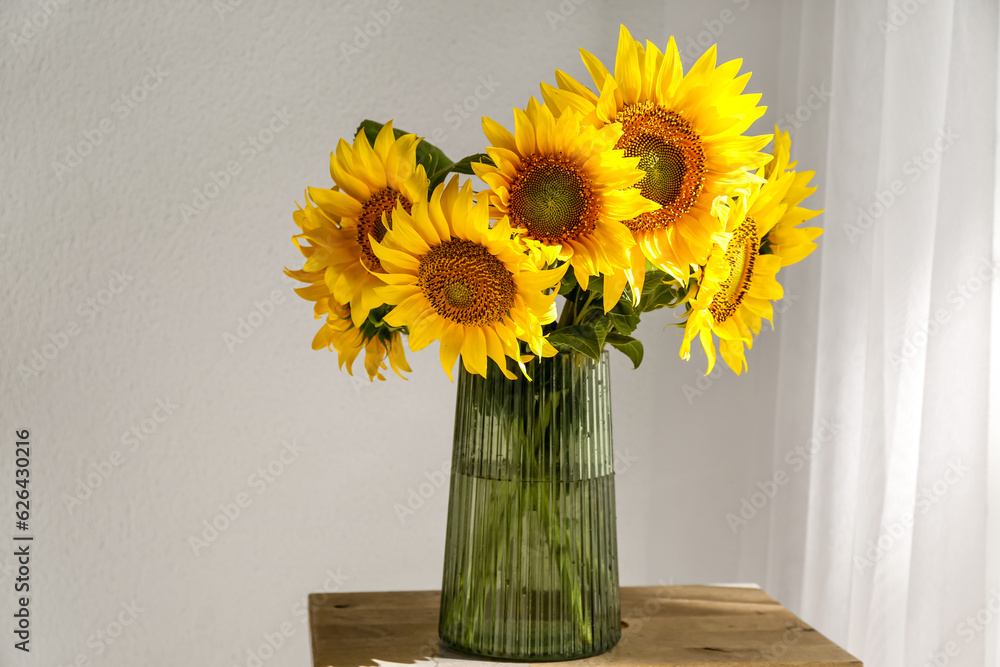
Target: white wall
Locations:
point(66, 234)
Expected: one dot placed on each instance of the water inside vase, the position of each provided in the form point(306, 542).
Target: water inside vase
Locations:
point(533, 569)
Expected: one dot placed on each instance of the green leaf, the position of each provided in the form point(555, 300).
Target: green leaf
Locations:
point(580, 338)
point(631, 347)
point(765, 245)
point(658, 291)
point(601, 327)
point(463, 166)
point(596, 285)
point(623, 317)
point(683, 292)
point(595, 318)
point(429, 155)
point(568, 283)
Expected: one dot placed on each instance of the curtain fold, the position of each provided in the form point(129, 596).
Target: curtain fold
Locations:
point(879, 536)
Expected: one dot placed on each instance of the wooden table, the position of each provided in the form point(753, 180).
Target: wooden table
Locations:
point(666, 625)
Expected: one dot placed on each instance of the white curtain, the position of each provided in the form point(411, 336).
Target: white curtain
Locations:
point(880, 534)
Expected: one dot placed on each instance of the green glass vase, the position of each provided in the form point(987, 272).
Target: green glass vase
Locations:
point(531, 553)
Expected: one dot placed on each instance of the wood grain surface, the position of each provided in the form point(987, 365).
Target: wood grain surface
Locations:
point(665, 625)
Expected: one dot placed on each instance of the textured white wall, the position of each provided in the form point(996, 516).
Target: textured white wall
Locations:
point(103, 272)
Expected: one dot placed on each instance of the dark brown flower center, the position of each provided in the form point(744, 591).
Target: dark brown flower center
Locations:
point(370, 222)
point(740, 256)
point(553, 199)
point(465, 283)
point(671, 154)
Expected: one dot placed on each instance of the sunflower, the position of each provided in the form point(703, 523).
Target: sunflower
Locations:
point(739, 280)
point(791, 242)
point(737, 283)
point(370, 182)
point(450, 277)
point(565, 186)
point(687, 131)
point(339, 331)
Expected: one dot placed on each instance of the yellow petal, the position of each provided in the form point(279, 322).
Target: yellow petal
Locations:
point(498, 135)
point(384, 141)
point(627, 67)
point(374, 169)
point(596, 68)
point(566, 82)
point(401, 160)
point(394, 261)
point(348, 182)
point(313, 292)
point(336, 203)
point(323, 338)
point(398, 294)
point(451, 344)
point(408, 310)
point(614, 286)
point(607, 106)
point(474, 351)
point(524, 134)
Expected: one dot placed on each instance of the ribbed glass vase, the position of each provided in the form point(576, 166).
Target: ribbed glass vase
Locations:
point(531, 553)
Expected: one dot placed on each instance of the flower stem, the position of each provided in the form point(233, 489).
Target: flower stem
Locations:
point(568, 312)
point(583, 311)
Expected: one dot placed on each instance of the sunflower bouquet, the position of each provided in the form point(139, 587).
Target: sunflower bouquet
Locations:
point(639, 193)
point(602, 203)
